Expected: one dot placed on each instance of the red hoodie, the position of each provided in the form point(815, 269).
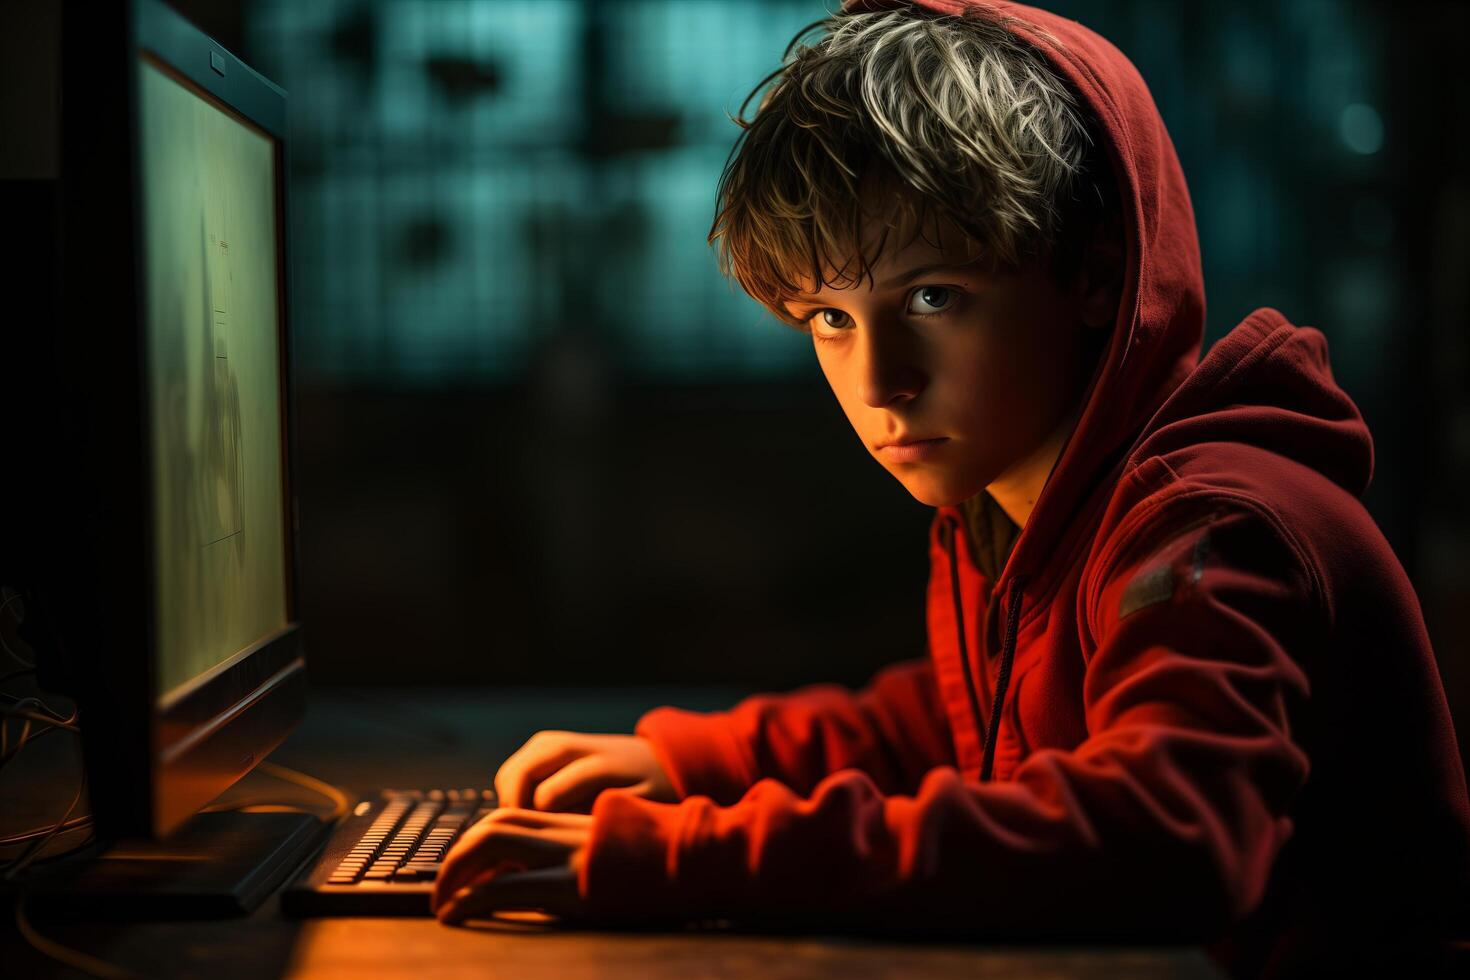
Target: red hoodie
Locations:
point(1198, 702)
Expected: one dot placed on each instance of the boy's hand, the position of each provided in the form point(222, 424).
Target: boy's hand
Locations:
point(513, 859)
point(566, 770)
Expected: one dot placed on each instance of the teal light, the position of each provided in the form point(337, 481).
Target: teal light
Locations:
point(473, 180)
point(1361, 128)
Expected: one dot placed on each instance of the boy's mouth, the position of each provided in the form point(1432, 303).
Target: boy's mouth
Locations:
point(911, 450)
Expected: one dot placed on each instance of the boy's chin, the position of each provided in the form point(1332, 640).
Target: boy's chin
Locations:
point(934, 491)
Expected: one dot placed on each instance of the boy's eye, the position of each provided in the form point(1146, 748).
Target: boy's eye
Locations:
point(924, 301)
point(935, 297)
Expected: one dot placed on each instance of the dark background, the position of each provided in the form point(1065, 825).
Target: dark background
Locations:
point(543, 442)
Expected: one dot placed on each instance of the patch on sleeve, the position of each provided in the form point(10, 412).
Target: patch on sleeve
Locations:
point(1148, 587)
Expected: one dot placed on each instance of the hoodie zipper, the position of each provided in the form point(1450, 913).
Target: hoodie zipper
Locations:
point(1007, 652)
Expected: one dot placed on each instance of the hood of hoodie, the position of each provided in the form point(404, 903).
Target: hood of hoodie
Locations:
point(1152, 357)
point(1267, 384)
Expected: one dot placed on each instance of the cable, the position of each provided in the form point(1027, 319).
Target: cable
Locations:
point(16, 701)
point(338, 798)
point(65, 954)
point(7, 754)
point(257, 804)
point(270, 804)
point(25, 732)
point(87, 843)
point(26, 738)
point(75, 823)
point(15, 709)
point(37, 716)
point(18, 865)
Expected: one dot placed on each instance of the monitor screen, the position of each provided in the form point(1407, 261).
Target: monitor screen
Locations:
point(214, 380)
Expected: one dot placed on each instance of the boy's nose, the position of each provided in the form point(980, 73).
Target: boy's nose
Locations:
point(889, 371)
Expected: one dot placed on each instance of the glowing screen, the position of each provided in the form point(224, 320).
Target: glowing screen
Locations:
point(209, 196)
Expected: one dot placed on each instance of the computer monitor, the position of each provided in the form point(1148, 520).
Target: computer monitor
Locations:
point(174, 554)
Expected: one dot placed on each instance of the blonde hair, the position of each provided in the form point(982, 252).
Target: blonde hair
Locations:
point(961, 118)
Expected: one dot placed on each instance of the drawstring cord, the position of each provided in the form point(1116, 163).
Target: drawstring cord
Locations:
point(959, 619)
point(1007, 653)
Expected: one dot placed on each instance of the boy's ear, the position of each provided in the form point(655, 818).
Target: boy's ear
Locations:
point(1100, 279)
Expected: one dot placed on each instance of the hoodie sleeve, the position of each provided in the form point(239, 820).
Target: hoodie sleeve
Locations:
point(1165, 820)
point(893, 730)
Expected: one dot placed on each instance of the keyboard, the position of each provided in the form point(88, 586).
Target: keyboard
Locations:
point(383, 858)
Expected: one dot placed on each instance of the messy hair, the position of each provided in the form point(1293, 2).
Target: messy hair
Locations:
point(954, 114)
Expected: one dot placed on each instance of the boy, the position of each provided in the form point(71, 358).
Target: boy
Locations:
point(1178, 686)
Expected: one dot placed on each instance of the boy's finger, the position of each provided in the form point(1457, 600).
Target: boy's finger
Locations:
point(482, 848)
point(517, 778)
point(488, 844)
point(441, 896)
point(538, 819)
point(552, 890)
point(573, 787)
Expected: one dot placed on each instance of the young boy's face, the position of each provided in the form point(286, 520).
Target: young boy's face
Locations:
point(983, 365)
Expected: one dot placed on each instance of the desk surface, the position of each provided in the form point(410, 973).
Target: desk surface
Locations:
point(366, 740)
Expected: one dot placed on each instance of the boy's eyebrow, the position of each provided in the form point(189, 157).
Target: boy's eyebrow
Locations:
point(898, 280)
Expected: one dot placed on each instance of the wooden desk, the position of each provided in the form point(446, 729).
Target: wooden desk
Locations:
point(364, 741)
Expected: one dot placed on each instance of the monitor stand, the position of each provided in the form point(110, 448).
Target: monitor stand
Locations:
point(217, 865)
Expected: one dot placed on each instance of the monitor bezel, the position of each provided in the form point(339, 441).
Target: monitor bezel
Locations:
point(151, 763)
